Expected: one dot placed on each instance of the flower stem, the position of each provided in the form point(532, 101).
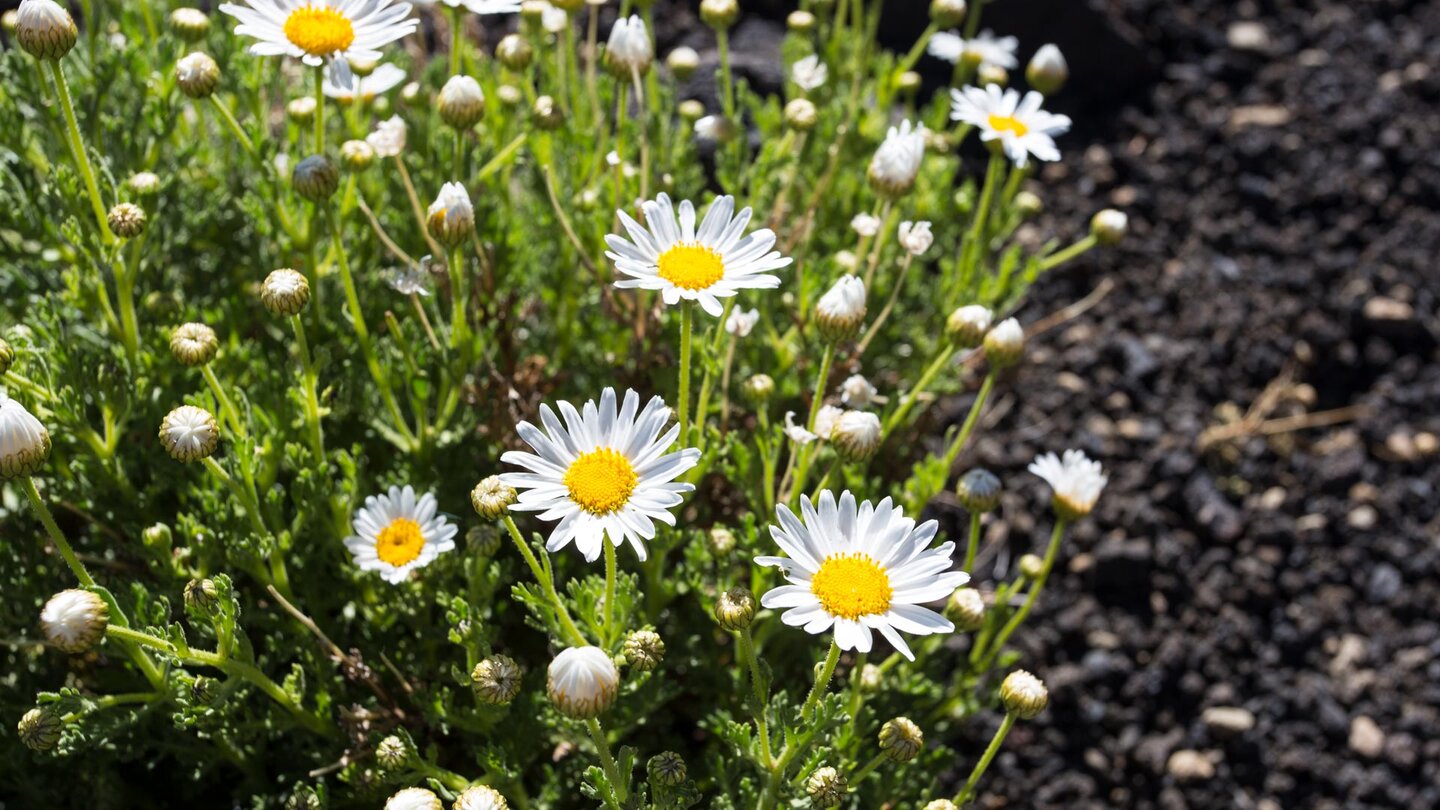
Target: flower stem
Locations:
point(970, 250)
point(971, 419)
point(457, 40)
point(607, 760)
point(727, 82)
point(459, 326)
point(747, 650)
point(312, 397)
point(1056, 259)
point(607, 633)
point(966, 792)
point(56, 536)
point(77, 149)
point(687, 317)
point(227, 407)
point(907, 402)
point(822, 680)
point(572, 633)
point(973, 544)
point(234, 126)
point(319, 111)
point(1030, 598)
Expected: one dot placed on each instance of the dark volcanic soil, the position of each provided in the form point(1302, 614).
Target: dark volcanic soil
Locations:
point(1256, 624)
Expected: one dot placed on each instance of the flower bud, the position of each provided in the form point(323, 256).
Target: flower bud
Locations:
point(189, 24)
point(74, 620)
point(840, 311)
point(1028, 203)
point(644, 650)
point(451, 219)
point(497, 679)
point(872, 678)
point(362, 67)
point(978, 491)
point(393, 752)
point(204, 691)
point(683, 62)
point(826, 787)
point(896, 164)
point(198, 75)
point(901, 739)
point(966, 608)
point(461, 102)
point(144, 183)
point(40, 728)
point(947, 13)
point(8, 20)
point(285, 292)
point(722, 540)
point(735, 609)
point(1005, 344)
point(691, 110)
point(1047, 71)
point(1023, 694)
point(7, 356)
point(582, 682)
point(414, 798)
point(801, 115)
point(719, 14)
point(800, 22)
point(189, 433)
point(966, 326)
point(194, 344)
point(45, 29)
point(666, 769)
point(989, 74)
point(547, 113)
point(357, 155)
point(492, 498)
point(1031, 566)
point(481, 797)
point(483, 540)
point(629, 50)
point(302, 110)
point(515, 52)
point(1109, 226)
point(856, 435)
point(757, 389)
point(909, 83)
point(126, 220)
point(315, 178)
point(201, 596)
point(24, 441)
point(941, 804)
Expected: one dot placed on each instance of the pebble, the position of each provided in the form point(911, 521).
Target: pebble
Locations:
point(1248, 36)
point(1228, 719)
point(1381, 309)
point(1189, 765)
point(1363, 517)
point(1366, 738)
point(1258, 115)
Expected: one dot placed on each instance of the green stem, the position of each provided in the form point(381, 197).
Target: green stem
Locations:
point(971, 419)
point(859, 776)
point(762, 730)
point(1056, 259)
point(77, 149)
point(238, 131)
point(312, 397)
point(973, 544)
point(572, 633)
point(457, 40)
point(687, 317)
point(608, 632)
point(1030, 598)
point(58, 538)
point(968, 791)
point(619, 782)
point(227, 408)
point(822, 680)
point(727, 82)
point(914, 54)
point(971, 249)
point(908, 400)
point(320, 111)
point(459, 325)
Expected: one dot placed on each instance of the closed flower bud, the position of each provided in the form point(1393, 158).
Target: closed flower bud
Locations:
point(1028, 203)
point(871, 679)
point(989, 74)
point(691, 110)
point(126, 220)
point(7, 356)
point(978, 491)
point(515, 52)
point(1023, 694)
point(757, 389)
point(8, 20)
point(719, 14)
point(315, 178)
point(947, 13)
point(302, 110)
point(461, 102)
point(735, 609)
point(683, 62)
point(841, 310)
point(916, 237)
point(492, 498)
point(908, 83)
point(451, 219)
point(1109, 226)
point(40, 728)
point(74, 620)
point(45, 29)
point(285, 292)
point(941, 804)
point(204, 690)
point(194, 344)
point(304, 797)
point(801, 22)
point(722, 540)
point(189, 24)
point(826, 787)
point(801, 115)
point(414, 798)
point(547, 113)
point(583, 682)
point(629, 50)
point(1047, 71)
point(856, 435)
point(393, 752)
point(362, 67)
point(198, 75)
point(901, 739)
point(1031, 566)
point(144, 183)
point(896, 163)
point(1005, 344)
point(666, 769)
point(483, 541)
point(201, 597)
point(24, 441)
point(967, 609)
point(857, 392)
point(509, 95)
point(966, 326)
point(497, 679)
point(481, 797)
point(189, 433)
point(644, 650)
point(357, 155)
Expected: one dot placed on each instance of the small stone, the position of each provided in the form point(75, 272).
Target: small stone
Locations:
point(1258, 115)
point(1388, 310)
point(1228, 719)
point(1188, 765)
point(1363, 517)
point(1248, 36)
point(1366, 738)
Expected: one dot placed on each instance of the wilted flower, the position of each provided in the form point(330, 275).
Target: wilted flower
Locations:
point(741, 322)
point(857, 392)
point(396, 533)
point(583, 682)
point(916, 237)
point(866, 225)
point(74, 620)
point(388, 139)
point(1077, 482)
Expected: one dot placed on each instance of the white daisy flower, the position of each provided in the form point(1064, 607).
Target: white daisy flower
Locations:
point(629, 48)
point(796, 432)
point(1021, 127)
point(601, 473)
point(897, 162)
point(706, 264)
point(322, 31)
point(916, 237)
point(388, 139)
point(385, 78)
point(1077, 482)
point(740, 323)
point(809, 73)
point(395, 533)
point(984, 49)
point(554, 19)
point(860, 568)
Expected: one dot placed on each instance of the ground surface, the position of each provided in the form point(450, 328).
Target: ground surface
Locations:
point(1253, 625)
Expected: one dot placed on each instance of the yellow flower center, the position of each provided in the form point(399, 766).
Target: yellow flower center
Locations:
point(400, 542)
point(601, 481)
point(319, 30)
point(691, 267)
point(851, 586)
point(1008, 123)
